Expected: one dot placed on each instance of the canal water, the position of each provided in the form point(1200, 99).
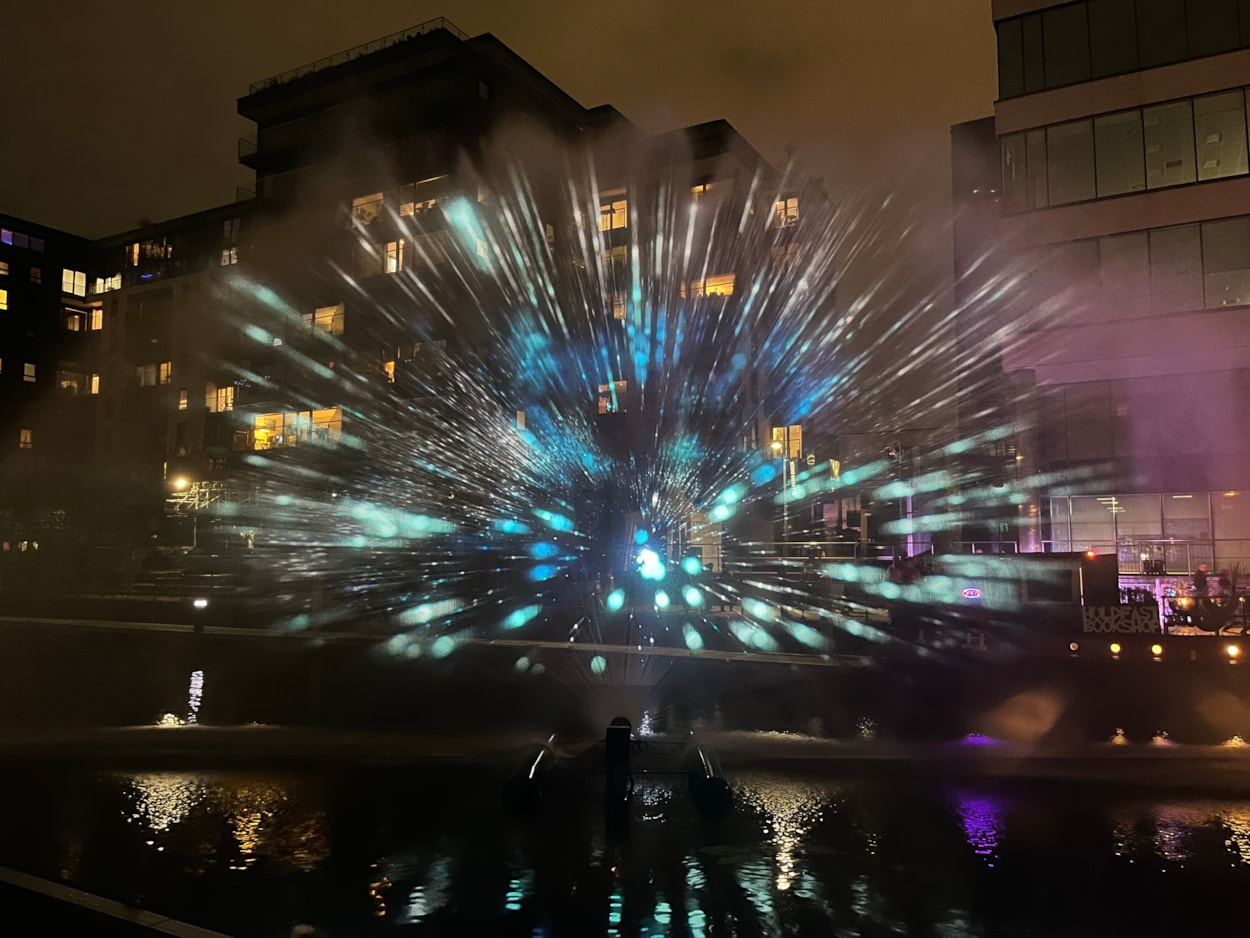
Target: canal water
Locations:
point(805, 851)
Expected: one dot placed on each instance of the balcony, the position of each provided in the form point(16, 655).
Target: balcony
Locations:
point(356, 52)
point(247, 148)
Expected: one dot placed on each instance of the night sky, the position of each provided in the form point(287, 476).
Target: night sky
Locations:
point(116, 111)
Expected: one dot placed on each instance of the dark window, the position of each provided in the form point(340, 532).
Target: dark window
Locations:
point(1175, 269)
point(1035, 160)
point(1015, 191)
point(1010, 59)
point(1212, 27)
point(1161, 32)
point(1220, 135)
point(1226, 262)
point(1070, 162)
point(1034, 70)
point(1124, 265)
point(1169, 135)
point(1113, 37)
point(1066, 41)
point(1118, 143)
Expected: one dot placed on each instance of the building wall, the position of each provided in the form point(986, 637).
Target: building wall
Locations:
point(1125, 203)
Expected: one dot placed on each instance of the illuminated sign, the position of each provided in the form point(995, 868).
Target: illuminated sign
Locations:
point(972, 592)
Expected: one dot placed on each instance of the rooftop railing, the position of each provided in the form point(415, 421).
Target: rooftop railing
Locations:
point(356, 52)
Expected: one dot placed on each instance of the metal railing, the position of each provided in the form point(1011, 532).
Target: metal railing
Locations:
point(1168, 556)
point(356, 52)
point(247, 147)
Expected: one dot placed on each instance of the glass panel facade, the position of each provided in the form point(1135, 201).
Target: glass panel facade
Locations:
point(1137, 518)
point(1093, 522)
point(1034, 69)
point(1226, 262)
point(1220, 134)
point(1212, 26)
point(1065, 42)
point(1070, 162)
point(1037, 190)
point(1175, 269)
point(1010, 59)
point(1161, 32)
point(1169, 135)
point(1112, 37)
point(1124, 265)
point(1187, 516)
point(1118, 143)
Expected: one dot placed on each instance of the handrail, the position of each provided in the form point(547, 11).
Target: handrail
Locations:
point(356, 52)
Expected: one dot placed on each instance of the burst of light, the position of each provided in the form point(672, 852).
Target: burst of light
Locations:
point(1115, 648)
point(1233, 651)
point(1156, 649)
point(615, 600)
point(650, 567)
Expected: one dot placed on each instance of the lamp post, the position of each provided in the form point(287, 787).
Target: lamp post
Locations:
point(780, 449)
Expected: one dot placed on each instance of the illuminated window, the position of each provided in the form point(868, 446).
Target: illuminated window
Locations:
point(72, 382)
point(25, 439)
point(132, 255)
point(722, 285)
point(395, 256)
point(786, 212)
point(105, 284)
point(94, 386)
point(785, 257)
point(612, 397)
point(151, 375)
point(4, 299)
point(229, 256)
point(616, 261)
point(389, 369)
point(416, 198)
point(327, 319)
point(4, 268)
point(6, 236)
point(75, 320)
point(73, 282)
point(218, 400)
point(97, 318)
point(483, 194)
point(182, 399)
point(28, 372)
point(36, 275)
point(271, 431)
point(614, 214)
point(367, 208)
point(618, 305)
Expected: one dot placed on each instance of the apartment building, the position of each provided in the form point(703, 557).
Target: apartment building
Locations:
point(1125, 218)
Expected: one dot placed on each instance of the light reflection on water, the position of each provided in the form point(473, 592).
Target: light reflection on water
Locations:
point(844, 853)
point(982, 817)
point(1167, 829)
point(790, 810)
point(265, 820)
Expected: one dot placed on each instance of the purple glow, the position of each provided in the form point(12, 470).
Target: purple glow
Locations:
point(972, 593)
point(982, 818)
point(978, 739)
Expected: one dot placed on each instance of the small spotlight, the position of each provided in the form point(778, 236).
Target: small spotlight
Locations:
point(180, 483)
point(1091, 553)
point(1156, 650)
point(200, 604)
point(1073, 647)
point(1115, 648)
point(1233, 651)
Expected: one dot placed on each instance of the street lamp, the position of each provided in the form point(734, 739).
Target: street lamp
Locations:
point(778, 449)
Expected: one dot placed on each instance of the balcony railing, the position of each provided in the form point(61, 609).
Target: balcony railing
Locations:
point(356, 52)
point(243, 193)
point(247, 147)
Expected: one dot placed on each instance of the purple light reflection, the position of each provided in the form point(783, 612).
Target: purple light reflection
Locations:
point(982, 817)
